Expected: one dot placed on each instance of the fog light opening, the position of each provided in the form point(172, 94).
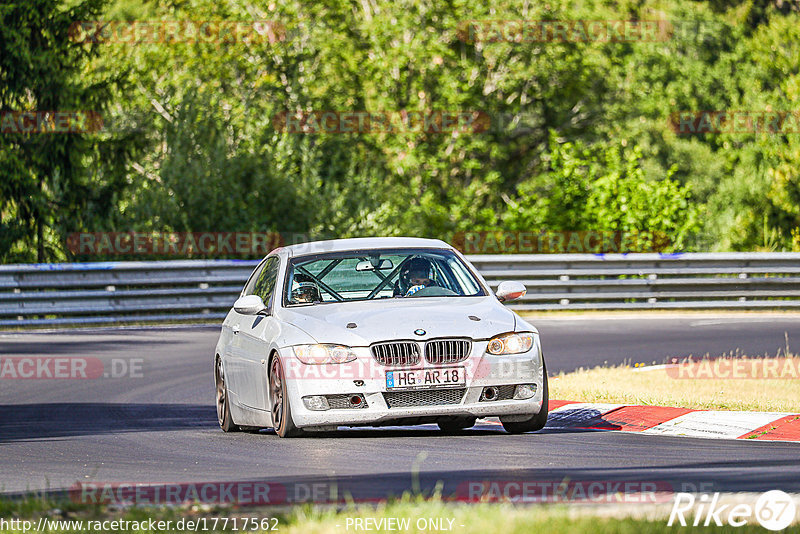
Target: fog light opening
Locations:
point(356, 400)
point(316, 403)
point(490, 393)
point(525, 391)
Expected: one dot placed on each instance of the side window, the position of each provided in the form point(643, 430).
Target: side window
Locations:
point(251, 282)
point(265, 285)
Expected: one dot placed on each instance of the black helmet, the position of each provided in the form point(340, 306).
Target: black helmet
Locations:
point(415, 268)
point(304, 289)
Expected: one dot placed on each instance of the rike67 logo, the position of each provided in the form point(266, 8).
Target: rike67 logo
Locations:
point(773, 510)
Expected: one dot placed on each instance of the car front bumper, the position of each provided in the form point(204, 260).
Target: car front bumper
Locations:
point(367, 378)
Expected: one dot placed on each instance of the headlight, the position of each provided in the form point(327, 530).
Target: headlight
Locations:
point(321, 354)
point(510, 343)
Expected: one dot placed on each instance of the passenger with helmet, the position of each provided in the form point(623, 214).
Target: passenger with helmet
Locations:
point(304, 289)
point(416, 274)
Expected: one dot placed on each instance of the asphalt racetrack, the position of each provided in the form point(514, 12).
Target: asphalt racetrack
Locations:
point(159, 426)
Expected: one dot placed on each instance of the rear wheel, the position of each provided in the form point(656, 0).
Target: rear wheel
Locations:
point(454, 424)
point(281, 409)
point(536, 422)
point(223, 401)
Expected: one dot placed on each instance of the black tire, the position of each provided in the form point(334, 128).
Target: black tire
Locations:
point(454, 424)
point(281, 408)
point(223, 400)
point(536, 422)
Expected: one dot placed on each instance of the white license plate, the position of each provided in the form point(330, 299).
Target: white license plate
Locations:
point(425, 378)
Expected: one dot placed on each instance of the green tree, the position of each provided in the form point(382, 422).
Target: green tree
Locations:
point(581, 134)
point(604, 189)
point(56, 181)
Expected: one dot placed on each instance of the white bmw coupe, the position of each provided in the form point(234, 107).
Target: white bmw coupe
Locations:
point(376, 331)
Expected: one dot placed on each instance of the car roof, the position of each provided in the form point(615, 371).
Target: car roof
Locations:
point(362, 243)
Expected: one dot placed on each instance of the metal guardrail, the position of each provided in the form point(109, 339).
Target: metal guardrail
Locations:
point(743, 280)
point(119, 292)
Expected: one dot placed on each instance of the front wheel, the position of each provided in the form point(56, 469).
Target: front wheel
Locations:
point(536, 422)
point(223, 401)
point(281, 409)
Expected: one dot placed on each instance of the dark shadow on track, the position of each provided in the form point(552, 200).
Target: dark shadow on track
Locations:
point(21, 422)
point(93, 347)
point(607, 485)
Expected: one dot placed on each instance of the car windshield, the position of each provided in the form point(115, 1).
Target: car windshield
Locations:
point(379, 274)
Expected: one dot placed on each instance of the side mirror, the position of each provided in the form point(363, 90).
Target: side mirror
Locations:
point(249, 305)
point(510, 291)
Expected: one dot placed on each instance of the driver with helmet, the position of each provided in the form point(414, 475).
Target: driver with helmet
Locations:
point(416, 274)
point(304, 289)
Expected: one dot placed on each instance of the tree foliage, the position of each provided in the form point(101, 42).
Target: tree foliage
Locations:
point(580, 138)
point(52, 182)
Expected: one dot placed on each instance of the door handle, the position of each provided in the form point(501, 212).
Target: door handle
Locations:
point(235, 329)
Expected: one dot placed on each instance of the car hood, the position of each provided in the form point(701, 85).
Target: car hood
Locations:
point(382, 320)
